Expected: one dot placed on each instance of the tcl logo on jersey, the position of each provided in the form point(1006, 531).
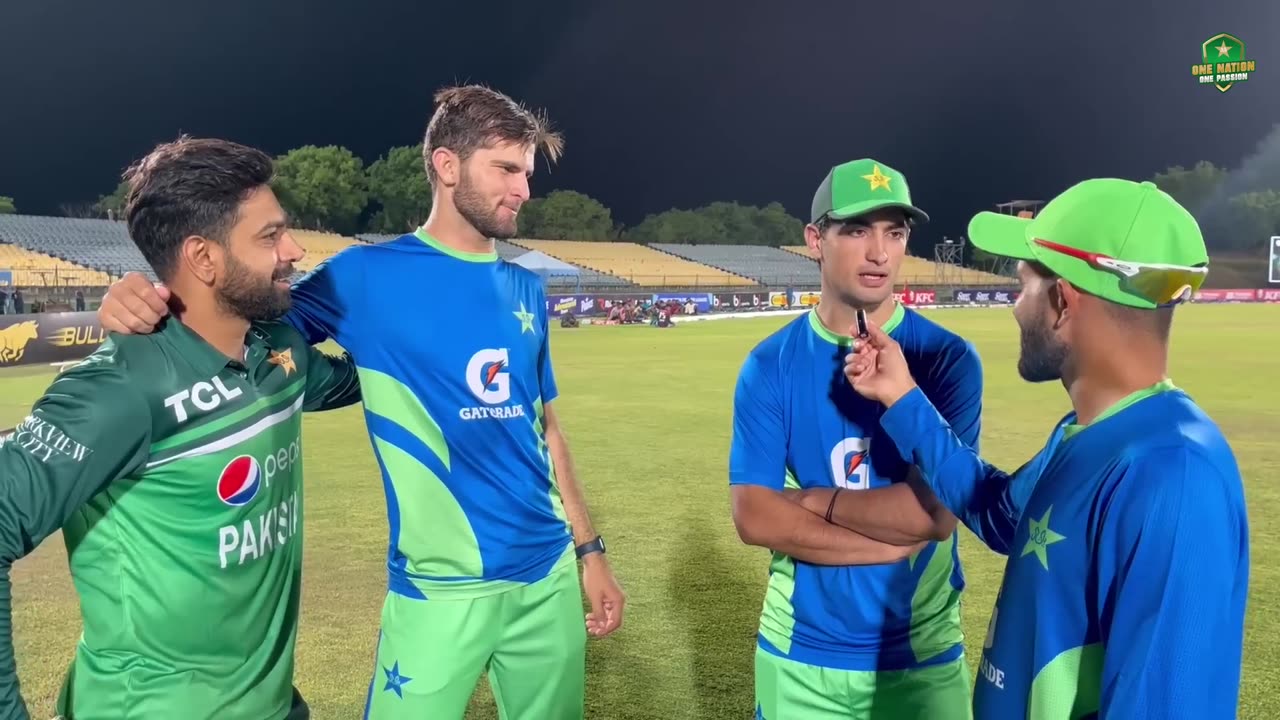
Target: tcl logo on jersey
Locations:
point(849, 467)
point(205, 396)
point(489, 379)
point(238, 484)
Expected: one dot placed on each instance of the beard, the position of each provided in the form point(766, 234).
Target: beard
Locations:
point(476, 210)
point(1042, 356)
point(248, 295)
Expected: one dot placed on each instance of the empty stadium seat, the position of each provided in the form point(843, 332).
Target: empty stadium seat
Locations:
point(766, 265)
point(102, 245)
point(918, 270)
point(637, 263)
point(320, 246)
point(32, 269)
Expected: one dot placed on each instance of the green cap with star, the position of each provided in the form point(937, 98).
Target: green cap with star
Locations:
point(862, 186)
point(1126, 242)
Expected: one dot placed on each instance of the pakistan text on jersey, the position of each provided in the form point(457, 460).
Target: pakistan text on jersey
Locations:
point(505, 412)
point(44, 440)
point(256, 537)
point(202, 397)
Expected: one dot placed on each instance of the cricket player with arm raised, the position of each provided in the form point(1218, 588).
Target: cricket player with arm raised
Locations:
point(1127, 535)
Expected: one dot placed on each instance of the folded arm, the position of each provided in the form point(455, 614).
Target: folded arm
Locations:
point(765, 518)
point(985, 498)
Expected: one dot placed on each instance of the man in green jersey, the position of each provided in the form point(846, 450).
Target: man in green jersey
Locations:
point(173, 463)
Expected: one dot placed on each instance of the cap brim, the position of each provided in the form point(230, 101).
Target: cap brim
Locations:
point(1003, 235)
point(851, 211)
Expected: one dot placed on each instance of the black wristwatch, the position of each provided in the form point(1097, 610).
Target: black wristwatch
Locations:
point(590, 546)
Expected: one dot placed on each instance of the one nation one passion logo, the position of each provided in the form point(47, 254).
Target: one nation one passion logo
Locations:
point(1222, 62)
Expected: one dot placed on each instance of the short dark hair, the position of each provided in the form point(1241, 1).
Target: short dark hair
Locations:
point(191, 186)
point(471, 117)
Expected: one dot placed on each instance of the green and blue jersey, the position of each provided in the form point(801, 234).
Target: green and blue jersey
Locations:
point(798, 423)
point(1128, 560)
point(455, 367)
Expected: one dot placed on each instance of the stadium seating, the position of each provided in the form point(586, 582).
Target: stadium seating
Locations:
point(766, 265)
point(102, 245)
point(31, 269)
point(917, 270)
point(637, 263)
point(320, 246)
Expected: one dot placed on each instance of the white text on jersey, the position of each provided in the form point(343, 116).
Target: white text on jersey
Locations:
point(202, 397)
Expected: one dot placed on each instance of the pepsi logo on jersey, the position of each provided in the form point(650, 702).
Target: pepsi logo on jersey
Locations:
point(239, 483)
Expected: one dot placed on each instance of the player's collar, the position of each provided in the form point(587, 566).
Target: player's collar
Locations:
point(1072, 429)
point(899, 312)
point(475, 257)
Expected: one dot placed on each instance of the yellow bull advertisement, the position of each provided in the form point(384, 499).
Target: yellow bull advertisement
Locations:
point(48, 338)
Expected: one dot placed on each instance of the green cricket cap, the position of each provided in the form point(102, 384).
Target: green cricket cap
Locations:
point(862, 186)
point(1128, 221)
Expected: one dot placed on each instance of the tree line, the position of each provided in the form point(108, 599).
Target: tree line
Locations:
point(330, 188)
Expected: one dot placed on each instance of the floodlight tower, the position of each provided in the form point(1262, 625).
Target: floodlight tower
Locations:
point(948, 258)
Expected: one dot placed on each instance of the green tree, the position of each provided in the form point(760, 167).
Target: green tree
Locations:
point(679, 226)
point(566, 215)
point(113, 205)
point(1191, 187)
point(7, 206)
point(778, 227)
point(1253, 219)
point(324, 188)
point(398, 182)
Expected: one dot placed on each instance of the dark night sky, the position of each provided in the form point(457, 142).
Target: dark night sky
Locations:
point(663, 103)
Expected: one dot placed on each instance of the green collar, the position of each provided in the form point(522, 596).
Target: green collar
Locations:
point(815, 322)
point(207, 359)
point(422, 235)
point(1072, 429)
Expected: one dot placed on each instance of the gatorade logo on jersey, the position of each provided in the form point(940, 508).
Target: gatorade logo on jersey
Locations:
point(239, 482)
point(489, 379)
point(849, 468)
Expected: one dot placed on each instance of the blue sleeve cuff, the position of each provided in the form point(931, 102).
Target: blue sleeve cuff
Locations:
point(910, 420)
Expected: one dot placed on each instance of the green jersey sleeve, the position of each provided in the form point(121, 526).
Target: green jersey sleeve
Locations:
point(332, 382)
point(90, 427)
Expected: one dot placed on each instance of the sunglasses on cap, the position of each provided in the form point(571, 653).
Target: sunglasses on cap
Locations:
point(1160, 283)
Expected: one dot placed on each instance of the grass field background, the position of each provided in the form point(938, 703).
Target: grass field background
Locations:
point(647, 414)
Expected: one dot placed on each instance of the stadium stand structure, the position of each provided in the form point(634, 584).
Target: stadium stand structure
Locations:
point(587, 278)
point(766, 265)
point(319, 246)
point(69, 251)
point(638, 264)
point(919, 271)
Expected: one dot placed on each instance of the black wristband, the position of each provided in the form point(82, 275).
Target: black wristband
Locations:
point(594, 545)
point(832, 506)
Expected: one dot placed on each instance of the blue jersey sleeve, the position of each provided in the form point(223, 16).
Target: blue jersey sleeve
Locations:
point(546, 376)
point(1173, 566)
point(986, 499)
point(758, 450)
point(960, 396)
point(325, 298)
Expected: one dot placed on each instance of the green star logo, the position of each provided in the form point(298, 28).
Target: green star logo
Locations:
point(526, 319)
point(1040, 537)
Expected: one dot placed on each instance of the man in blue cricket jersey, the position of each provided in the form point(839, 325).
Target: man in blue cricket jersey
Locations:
point(1127, 537)
point(854, 624)
point(487, 518)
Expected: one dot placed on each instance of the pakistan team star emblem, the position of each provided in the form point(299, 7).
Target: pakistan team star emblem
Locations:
point(284, 360)
point(878, 179)
point(1040, 537)
point(526, 319)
